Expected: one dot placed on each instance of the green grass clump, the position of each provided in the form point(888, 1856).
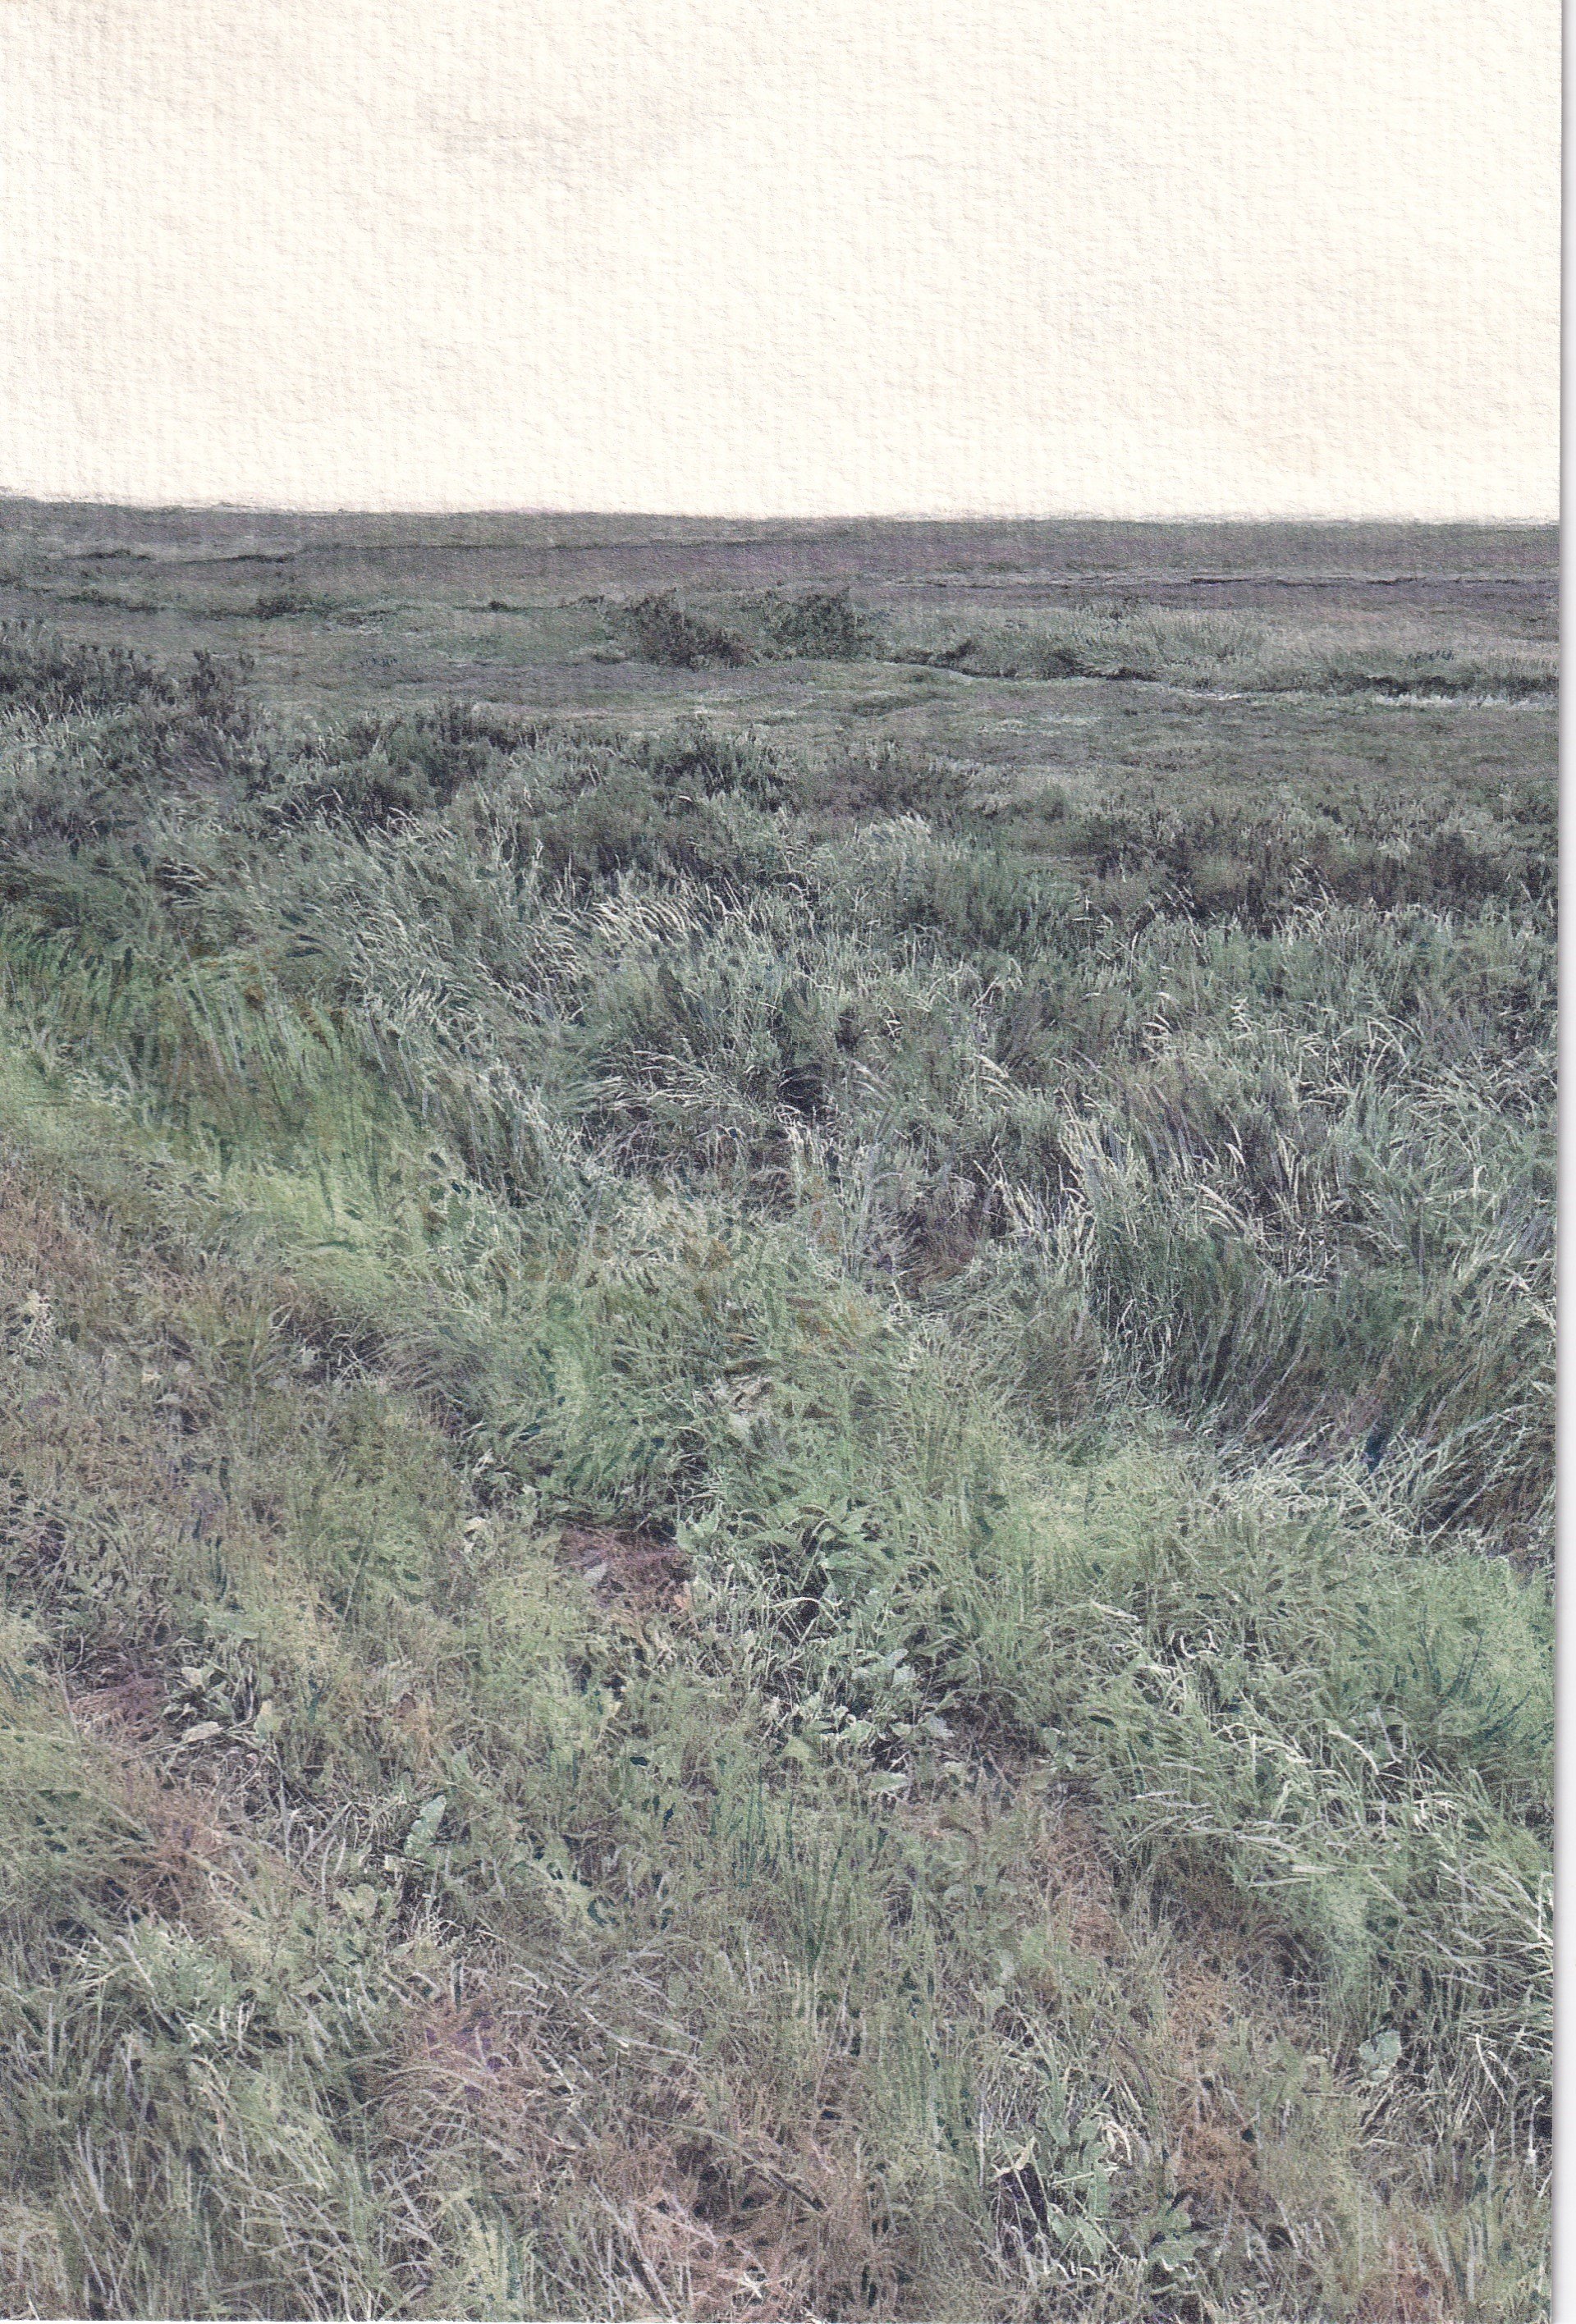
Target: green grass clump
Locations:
point(815, 624)
point(819, 625)
point(55, 677)
point(774, 1538)
point(666, 632)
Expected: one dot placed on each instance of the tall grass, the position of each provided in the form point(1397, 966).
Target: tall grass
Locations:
point(1219, 652)
point(767, 1555)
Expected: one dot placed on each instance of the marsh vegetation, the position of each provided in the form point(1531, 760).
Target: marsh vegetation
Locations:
point(777, 1459)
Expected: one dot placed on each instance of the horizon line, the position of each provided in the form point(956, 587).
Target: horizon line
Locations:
point(158, 506)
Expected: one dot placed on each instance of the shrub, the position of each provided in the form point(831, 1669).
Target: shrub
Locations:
point(379, 770)
point(279, 605)
point(698, 760)
point(819, 625)
point(59, 677)
point(666, 632)
point(889, 778)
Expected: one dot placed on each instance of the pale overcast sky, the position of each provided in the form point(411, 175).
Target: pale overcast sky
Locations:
point(1126, 257)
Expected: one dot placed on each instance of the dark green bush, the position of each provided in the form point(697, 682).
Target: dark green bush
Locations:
point(59, 677)
point(279, 605)
point(819, 625)
point(668, 633)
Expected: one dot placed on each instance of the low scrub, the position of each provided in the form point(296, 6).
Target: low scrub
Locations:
point(664, 631)
point(819, 625)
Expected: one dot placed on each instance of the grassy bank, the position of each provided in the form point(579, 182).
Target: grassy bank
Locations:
point(777, 1522)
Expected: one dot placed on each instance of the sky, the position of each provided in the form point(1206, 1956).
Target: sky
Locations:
point(833, 257)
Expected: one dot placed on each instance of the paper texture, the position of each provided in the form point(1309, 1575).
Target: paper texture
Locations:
point(1147, 257)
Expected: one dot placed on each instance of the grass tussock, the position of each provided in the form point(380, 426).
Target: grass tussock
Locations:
point(775, 1533)
point(664, 631)
point(816, 625)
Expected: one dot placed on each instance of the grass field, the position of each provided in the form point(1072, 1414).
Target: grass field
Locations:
point(778, 1427)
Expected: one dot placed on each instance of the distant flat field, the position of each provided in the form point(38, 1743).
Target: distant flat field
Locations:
point(355, 611)
point(641, 552)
